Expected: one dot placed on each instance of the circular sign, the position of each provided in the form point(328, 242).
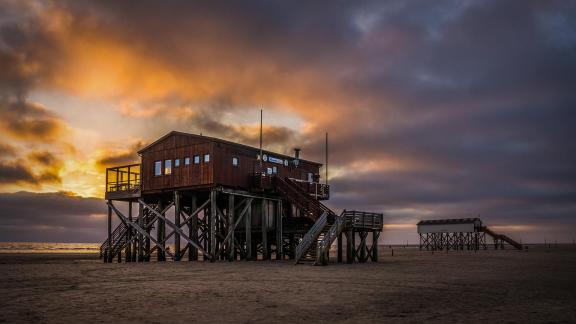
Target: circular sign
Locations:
point(265, 157)
point(285, 162)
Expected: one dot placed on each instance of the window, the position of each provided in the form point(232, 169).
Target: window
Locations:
point(269, 170)
point(186, 161)
point(158, 168)
point(176, 163)
point(206, 158)
point(274, 169)
point(196, 159)
point(167, 166)
point(235, 161)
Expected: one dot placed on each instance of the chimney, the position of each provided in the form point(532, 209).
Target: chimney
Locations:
point(297, 153)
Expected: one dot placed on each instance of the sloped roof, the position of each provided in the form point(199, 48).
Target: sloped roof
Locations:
point(219, 140)
point(449, 221)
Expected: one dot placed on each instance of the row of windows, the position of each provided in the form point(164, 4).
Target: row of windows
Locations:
point(168, 164)
point(196, 159)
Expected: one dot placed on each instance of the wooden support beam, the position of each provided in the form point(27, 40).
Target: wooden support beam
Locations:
point(350, 246)
point(109, 249)
point(129, 235)
point(339, 248)
point(161, 234)
point(231, 228)
point(141, 221)
point(264, 217)
point(136, 227)
point(247, 203)
point(279, 238)
point(177, 208)
point(213, 215)
point(193, 229)
point(173, 226)
point(248, 229)
point(362, 246)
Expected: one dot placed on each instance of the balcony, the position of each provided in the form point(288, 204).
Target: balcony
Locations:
point(317, 190)
point(123, 182)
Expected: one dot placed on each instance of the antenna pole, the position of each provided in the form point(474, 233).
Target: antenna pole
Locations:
point(326, 169)
point(261, 157)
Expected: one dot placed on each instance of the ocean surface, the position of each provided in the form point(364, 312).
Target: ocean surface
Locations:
point(42, 247)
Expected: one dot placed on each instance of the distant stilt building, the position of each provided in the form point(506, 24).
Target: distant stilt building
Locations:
point(219, 200)
point(459, 234)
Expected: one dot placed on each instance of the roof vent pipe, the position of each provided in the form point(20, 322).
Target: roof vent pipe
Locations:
point(297, 153)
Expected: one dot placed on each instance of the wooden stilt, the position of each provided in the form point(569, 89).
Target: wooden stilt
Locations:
point(231, 228)
point(362, 236)
point(279, 238)
point(109, 249)
point(177, 215)
point(248, 229)
point(213, 216)
point(264, 215)
point(140, 236)
point(375, 235)
point(129, 235)
point(193, 230)
point(350, 246)
point(340, 248)
point(160, 235)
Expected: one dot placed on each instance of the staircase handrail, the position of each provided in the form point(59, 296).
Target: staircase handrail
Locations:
point(502, 237)
point(311, 236)
point(119, 232)
point(322, 255)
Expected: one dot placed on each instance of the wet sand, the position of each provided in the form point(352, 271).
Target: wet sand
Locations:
point(538, 285)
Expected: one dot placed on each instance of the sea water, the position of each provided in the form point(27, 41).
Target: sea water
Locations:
point(44, 247)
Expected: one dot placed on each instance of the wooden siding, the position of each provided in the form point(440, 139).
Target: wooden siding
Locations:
point(239, 176)
point(172, 148)
point(219, 171)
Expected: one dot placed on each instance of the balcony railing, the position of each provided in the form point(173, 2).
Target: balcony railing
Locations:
point(123, 181)
point(315, 189)
point(263, 181)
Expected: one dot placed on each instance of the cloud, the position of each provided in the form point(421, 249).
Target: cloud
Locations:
point(430, 110)
point(124, 156)
point(52, 217)
point(37, 169)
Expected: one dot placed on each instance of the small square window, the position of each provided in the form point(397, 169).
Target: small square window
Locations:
point(235, 161)
point(186, 161)
point(176, 163)
point(158, 168)
point(167, 166)
point(196, 159)
point(274, 169)
point(269, 170)
point(206, 158)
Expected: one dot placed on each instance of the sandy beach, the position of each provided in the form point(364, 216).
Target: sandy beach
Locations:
point(509, 286)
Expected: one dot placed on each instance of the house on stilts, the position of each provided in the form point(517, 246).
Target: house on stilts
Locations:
point(219, 200)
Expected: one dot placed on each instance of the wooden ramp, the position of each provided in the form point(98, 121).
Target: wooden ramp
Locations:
point(499, 239)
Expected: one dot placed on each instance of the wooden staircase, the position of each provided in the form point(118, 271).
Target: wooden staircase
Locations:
point(501, 237)
point(119, 237)
point(314, 243)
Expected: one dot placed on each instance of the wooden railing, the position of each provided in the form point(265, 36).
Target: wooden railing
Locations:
point(502, 237)
point(323, 253)
point(366, 220)
point(261, 180)
point(123, 178)
point(295, 195)
point(315, 189)
point(311, 236)
point(264, 181)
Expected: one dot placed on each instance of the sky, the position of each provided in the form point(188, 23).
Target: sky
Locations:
point(434, 109)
